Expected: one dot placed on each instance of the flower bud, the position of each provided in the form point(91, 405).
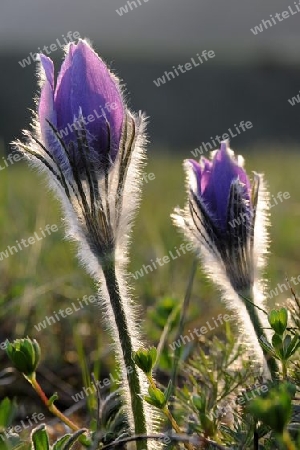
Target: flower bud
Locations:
point(24, 354)
point(145, 359)
point(278, 320)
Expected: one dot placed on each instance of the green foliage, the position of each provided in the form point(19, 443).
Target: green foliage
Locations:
point(112, 423)
point(210, 392)
point(8, 410)
point(284, 344)
point(156, 398)
point(275, 409)
point(40, 440)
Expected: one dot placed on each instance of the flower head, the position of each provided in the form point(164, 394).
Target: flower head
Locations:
point(215, 180)
point(91, 146)
point(221, 213)
point(225, 218)
point(86, 98)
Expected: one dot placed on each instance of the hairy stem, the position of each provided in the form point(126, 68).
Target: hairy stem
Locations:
point(260, 333)
point(137, 403)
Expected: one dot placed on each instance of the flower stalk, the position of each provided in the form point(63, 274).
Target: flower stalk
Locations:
point(259, 331)
point(133, 379)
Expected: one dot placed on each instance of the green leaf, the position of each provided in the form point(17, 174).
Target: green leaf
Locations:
point(267, 346)
point(53, 399)
point(59, 444)
point(283, 317)
point(11, 443)
point(39, 438)
point(197, 401)
point(275, 409)
point(291, 345)
point(163, 309)
point(67, 441)
point(286, 343)
point(291, 389)
point(156, 398)
point(207, 424)
point(278, 345)
point(168, 391)
point(8, 410)
point(153, 355)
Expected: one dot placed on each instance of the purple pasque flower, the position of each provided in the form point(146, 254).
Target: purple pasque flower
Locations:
point(86, 139)
point(215, 180)
point(92, 149)
point(225, 218)
point(85, 100)
point(221, 212)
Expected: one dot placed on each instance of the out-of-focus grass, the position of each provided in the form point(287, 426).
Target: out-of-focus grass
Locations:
point(45, 277)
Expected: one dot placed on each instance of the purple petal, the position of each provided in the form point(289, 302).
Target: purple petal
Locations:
point(224, 171)
point(198, 173)
point(85, 85)
point(244, 179)
point(206, 174)
point(65, 115)
point(46, 109)
point(202, 172)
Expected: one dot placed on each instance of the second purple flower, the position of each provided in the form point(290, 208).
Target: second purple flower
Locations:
point(221, 213)
point(225, 219)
